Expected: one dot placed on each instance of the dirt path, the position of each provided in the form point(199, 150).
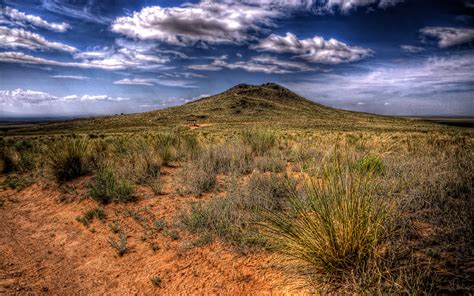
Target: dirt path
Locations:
point(44, 250)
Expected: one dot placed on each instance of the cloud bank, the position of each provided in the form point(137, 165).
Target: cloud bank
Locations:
point(22, 18)
point(315, 50)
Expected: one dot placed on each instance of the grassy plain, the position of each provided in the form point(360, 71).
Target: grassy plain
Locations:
point(256, 188)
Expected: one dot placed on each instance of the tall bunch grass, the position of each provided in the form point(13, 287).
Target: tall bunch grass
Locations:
point(334, 226)
point(68, 159)
point(106, 188)
point(260, 140)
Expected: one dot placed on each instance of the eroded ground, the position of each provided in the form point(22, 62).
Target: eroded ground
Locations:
point(45, 250)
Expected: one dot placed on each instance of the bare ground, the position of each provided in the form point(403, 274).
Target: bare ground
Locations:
point(44, 250)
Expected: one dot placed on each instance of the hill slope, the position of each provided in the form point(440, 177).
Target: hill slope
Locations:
point(241, 104)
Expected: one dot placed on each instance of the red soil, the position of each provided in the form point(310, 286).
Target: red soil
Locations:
point(43, 249)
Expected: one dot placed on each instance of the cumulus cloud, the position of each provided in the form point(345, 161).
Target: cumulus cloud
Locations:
point(347, 5)
point(30, 102)
point(316, 49)
point(21, 96)
point(208, 21)
point(22, 18)
point(264, 64)
point(19, 38)
point(411, 48)
point(411, 88)
point(448, 37)
point(75, 77)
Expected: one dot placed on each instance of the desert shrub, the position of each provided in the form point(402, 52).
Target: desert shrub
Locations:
point(190, 146)
point(234, 218)
point(166, 144)
point(333, 227)
point(198, 178)
point(274, 164)
point(370, 164)
point(68, 159)
point(90, 215)
point(18, 182)
point(230, 157)
point(100, 154)
point(14, 160)
point(105, 188)
point(156, 281)
point(120, 245)
point(260, 140)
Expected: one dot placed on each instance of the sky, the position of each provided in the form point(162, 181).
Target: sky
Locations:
point(91, 57)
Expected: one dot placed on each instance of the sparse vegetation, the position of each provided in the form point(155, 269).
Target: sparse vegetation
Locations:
point(335, 225)
point(119, 245)
point(156, 281)
point(68, 158)
point(261, 141)
point(106, 188)
point(377, 206)
point(18, 182)
point(370, 164)
point(90, 215)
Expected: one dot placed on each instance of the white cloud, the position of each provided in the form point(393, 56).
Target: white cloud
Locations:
point(30, 102)
point(20, 96)
point(412, 87)
point(84, 10)
point(19, 38)
point(21, 18)
point(136, 81)
point(411, 48)
point(347, 5)
point(75, 77)
point(264, 64)
point(152, 82)
point(448, 37)
point(207, 21)
point(316, 49)
point(110, 61)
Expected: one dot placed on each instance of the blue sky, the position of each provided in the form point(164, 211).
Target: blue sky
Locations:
point(88, 57)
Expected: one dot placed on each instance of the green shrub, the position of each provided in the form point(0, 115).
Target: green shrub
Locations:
point(199, 177)
point(120, 246)
point(166, 144)
point(260, 140)
point(106, 188)
point(234, 218)
point(89, 216)
point(13, 160)
point(156, 281)
point(370, 164)
point(68, 159)
point(334, 226)
point(18, 182)
point(274, 164)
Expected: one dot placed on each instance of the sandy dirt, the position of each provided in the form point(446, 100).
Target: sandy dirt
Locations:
point(44, 250)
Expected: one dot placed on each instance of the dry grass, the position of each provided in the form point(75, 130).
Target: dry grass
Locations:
point(394, 216)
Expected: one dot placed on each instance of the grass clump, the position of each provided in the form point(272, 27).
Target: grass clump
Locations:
point(370, 164)
point(18, 182)
point(156, 281)
point(234, 218)
point(334, 227)
point(115, 226)
point(261, 141)
point(106, 188)
point(119, 245)
point(68, 159)
point(90, 215)
point(199, 177)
